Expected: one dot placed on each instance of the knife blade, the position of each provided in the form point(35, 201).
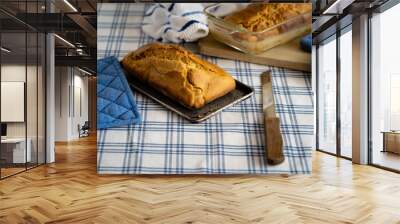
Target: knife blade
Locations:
point(273, 136)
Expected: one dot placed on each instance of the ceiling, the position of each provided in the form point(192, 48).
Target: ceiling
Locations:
point(16, 43)
point(332, 15)
point(39, 6)
point(73, 20)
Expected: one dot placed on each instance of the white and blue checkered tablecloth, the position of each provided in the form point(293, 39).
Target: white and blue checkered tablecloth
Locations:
point(231, 142)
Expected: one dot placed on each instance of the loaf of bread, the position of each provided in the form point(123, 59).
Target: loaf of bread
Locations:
point(261, 16)
point(178, 74)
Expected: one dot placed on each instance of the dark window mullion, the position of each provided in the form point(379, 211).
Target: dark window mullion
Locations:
point(0, 98)
point(369, 79)
point(26, 87)
point(317, 97)
point(338, 95)
point(37, 90)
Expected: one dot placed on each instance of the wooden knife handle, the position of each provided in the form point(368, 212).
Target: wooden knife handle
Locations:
point(274, 141)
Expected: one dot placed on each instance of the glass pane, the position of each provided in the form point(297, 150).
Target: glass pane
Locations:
point(16, 8)
point(23, 82)
point(346, 93)
point(41, 98)
point(31, 98)
point(385, 84)
point(327, 97)
point(13, 87)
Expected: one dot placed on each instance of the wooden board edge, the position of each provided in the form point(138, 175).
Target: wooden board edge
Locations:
point(306, 67)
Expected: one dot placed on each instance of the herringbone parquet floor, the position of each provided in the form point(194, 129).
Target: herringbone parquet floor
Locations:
point(70, 191)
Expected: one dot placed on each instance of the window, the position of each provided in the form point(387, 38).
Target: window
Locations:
point(334, 137)
point(326, 60)
point(385, 89)
point(346, 93)
point(22, 101)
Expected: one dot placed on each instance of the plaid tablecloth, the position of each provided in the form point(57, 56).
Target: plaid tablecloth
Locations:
point(231, 142)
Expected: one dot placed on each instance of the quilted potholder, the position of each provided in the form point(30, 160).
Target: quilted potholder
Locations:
point(115, 103)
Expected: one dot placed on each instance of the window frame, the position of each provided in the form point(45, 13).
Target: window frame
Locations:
point(29, 29)
point(381, 9)
point(334, 37)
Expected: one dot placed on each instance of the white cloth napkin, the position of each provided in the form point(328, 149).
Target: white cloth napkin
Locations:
point(175, 22)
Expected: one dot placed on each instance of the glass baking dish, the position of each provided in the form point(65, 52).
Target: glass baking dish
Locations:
point(254, 42)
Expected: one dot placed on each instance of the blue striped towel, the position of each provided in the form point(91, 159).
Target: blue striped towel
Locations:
point(175, 22)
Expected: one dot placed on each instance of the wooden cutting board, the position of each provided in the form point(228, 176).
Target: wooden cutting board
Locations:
point(288, 55)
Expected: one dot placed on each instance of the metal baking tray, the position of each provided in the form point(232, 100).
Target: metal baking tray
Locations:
point(240, 93)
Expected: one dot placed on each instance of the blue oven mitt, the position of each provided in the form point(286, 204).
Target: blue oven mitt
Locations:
point(115, 103)
point(306, 43)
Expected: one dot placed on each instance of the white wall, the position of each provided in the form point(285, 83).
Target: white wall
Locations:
point(62, 81)
point(33, 126)
point(13, 72)
point(16, 73)
point(70, 83)
point(80, 115)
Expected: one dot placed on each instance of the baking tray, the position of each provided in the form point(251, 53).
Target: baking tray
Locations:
point(240, 93)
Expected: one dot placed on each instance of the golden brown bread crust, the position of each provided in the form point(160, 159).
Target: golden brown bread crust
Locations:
point(179, 74)
point(260, 16)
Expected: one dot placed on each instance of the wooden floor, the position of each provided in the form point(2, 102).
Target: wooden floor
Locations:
point(70, 191)
point(387, 159)
point(10, 171)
